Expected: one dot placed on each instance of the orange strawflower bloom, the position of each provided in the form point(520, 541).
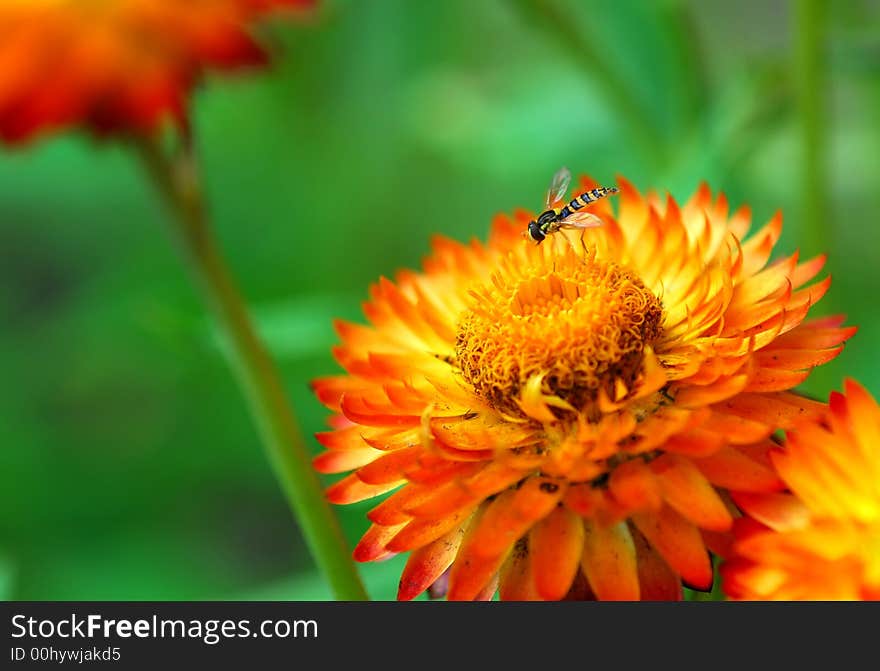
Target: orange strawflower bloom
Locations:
point(820, 540)
point(116, 65)
point(563, 420)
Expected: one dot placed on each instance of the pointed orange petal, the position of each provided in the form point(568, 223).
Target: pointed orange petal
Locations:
point(390, 466)
point(340, 461)
point(359, 411)
point(694, 397)
point(352, 489)
point(489, 540)
point(765, 285)
point(346, 438)
point(420, 532)
point(488, 592)
point(700, 200)
point(633, 486)
point(388, 440)
point(408, 313)
point(480, 432)
point(443, 501)
point(780, 512)
point(633, 208)
point(737, 430)
point(556, 544)
point(427, 564)
point(740, 222)
point(776, 409)
point(583, 499)
point(442, 472)
point(769, 379)
point(609, 562)
point(815, 335)
point(763, 318)
point(810, 295)
point(393, 509)
point(489, 480)
point(511, 515)
point(679, 543)
point(695, 443)
point(732, 469)
point(823, 468)
point(807, 270)
point(688, 492)
point(863, 413)
point(757, 249)
point(470, 574)
point(329, 390)
point(373, 544)
point(719, 543)
point(517, 582)
point(657, 581)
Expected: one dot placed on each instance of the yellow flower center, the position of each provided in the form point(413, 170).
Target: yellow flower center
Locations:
point(580, 322)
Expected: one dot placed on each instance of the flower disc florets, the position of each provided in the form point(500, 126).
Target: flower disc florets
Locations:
point(579, 325)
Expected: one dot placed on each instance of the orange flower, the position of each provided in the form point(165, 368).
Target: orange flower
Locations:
point(563, 420)
point(821, 540)
point(115, 64)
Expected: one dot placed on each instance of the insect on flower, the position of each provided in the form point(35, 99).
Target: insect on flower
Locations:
point(558, 216)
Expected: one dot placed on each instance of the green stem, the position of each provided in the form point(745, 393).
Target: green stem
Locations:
point(812, 94)
point(177, 179)
point(811, 82)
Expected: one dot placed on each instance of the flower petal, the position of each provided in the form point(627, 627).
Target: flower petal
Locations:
point(609, 562)
point(688, 492)
point(352, 489)
point(634, 486)
point(777, 409)
point(657, 581)
point(420, 532)
point(732, 469)
point(426, 564)
point(679, 543)
point(555, 546)
point(489, 539)
point(373, 544)
point(517, 579)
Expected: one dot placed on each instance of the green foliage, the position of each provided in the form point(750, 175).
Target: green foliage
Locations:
point(130, 468)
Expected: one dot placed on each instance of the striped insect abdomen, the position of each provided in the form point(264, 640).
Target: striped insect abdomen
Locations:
point(586, 198)
point(595, 194)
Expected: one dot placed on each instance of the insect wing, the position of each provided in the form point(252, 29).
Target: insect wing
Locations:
point(580, 220)
point(558, 186)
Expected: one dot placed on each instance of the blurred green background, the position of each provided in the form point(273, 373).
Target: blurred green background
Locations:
point(129, 468)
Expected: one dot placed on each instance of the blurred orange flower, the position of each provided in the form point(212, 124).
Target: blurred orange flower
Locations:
point(563, 420)
point(821, 540)
point(116, 65)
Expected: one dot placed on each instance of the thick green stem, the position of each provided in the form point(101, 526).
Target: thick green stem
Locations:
point(177, 179)
point(812, 94)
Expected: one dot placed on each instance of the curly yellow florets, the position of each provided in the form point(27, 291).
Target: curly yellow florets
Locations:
point(580, 323)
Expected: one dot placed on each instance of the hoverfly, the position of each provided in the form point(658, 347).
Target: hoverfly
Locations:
point(557, 216)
